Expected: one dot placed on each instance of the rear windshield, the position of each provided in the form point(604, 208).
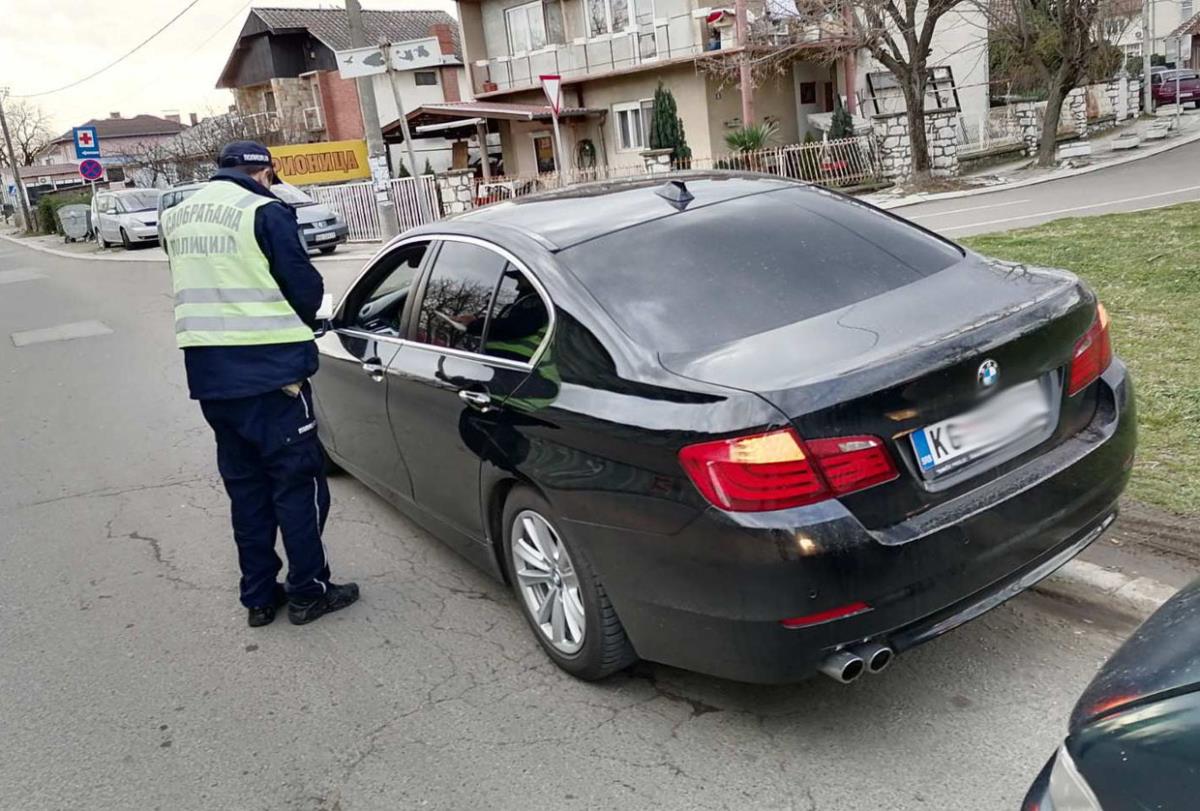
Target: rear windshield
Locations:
point(719, 273)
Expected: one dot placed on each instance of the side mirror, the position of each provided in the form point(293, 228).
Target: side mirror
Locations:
point(110, 211)
point(324, 316)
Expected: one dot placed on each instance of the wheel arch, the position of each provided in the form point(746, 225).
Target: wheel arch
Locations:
point(495, 497)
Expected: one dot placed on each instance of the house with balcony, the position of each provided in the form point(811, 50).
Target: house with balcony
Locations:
point(611, 55)
point(283, 74)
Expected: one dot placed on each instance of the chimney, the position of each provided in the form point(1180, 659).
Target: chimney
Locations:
point(445, 36)
point(172, 117)
point(114, 115)
point(193, 118)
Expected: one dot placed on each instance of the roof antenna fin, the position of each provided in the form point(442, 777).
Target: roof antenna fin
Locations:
point(676, 193)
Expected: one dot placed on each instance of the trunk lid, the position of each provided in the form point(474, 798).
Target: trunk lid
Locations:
point(912, 357)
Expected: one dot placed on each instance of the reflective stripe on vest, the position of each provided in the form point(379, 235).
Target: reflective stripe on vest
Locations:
point(225, 294)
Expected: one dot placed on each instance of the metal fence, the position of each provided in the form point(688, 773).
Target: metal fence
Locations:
point(839, 163)
point(355, 203)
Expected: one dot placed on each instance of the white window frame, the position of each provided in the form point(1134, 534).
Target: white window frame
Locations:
point(525, 9)
point(644, 114)
point(630, 14)
point(432, 72)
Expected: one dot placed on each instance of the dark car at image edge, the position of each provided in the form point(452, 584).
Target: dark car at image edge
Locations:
point(1134, 735)
point(734, 424)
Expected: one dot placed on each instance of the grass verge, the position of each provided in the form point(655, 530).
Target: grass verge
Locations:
point(1145, 267)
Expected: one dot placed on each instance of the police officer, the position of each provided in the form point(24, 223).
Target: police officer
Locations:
point(246, 301)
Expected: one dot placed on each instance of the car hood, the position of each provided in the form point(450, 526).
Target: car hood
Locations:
point(308, 214)
point(1161, 659)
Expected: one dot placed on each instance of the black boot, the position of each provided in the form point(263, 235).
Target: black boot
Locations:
point(261, 615)
point(335, 598)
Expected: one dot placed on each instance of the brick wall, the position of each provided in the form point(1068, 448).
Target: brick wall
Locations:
point(339, 97)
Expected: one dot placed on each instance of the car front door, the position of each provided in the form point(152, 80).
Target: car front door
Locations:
point(350, 387)
point(103, 219)
point(449, 386)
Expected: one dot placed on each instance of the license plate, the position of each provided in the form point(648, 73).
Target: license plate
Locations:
point(324, 237)
point(959, 440)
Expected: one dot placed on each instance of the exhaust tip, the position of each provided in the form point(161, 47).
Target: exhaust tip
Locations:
point(843, 667)
point(875, 656)
point(880, 659)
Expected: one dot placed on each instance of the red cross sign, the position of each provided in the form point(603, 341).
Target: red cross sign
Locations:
point(87, 143)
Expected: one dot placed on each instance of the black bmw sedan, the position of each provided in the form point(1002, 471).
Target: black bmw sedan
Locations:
point(730, 423)
point(1134, 739)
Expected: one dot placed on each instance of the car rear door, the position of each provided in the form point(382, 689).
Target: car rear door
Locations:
point(351, 386)
point(474, 338)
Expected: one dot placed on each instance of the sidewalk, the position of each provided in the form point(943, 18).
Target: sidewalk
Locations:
point(55, 246)
point(1017, 174)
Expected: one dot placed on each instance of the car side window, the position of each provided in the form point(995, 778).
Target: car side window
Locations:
point(519, 319)
point(378, 304)
point(454, 310)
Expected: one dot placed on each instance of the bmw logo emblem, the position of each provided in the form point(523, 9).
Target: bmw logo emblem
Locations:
point(988, 374)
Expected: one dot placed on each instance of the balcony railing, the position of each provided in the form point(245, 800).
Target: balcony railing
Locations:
point(654, 41)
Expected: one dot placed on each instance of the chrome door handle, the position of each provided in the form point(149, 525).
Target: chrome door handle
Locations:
point(477, 400)
point(374, 369)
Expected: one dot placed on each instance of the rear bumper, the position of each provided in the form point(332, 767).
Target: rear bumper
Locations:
point(711, 597)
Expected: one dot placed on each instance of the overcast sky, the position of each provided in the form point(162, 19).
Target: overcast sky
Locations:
point(44, 45)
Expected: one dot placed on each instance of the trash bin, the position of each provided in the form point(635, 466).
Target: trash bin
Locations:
point(74, 221)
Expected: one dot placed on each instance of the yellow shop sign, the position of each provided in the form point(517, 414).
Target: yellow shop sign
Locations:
point(327, 162)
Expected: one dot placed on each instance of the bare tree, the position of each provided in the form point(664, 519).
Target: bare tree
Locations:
point(1055, 45)
point(192, 154)
point(30, 129)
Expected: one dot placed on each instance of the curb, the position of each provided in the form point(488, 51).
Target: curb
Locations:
point(126, 257)
point(916, 200)
point(1083, 582)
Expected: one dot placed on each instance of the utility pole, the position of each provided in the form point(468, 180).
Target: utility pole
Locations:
point(1147, 47)
point(744, 73)
point(418, 178)
point(12, 160)
point(389, 224)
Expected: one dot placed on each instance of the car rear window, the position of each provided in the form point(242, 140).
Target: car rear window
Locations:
point(722, 272)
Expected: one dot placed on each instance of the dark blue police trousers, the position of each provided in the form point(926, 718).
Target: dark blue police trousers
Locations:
point(274, 473)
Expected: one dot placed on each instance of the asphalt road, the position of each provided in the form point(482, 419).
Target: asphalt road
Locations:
point(128, 678)
point(1160, 180)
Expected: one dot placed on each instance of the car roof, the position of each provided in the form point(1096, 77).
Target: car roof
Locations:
point(563, 218)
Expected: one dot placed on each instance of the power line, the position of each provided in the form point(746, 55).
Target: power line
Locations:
point(220, 27)
point(116, 61)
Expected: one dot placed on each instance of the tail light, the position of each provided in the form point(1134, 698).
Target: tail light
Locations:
point(778, 470)
point(1093, 353)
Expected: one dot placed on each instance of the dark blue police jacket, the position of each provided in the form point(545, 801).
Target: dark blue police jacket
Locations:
point(227, 372)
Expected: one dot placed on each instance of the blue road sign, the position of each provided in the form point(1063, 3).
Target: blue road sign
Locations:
point(90, 169)
point(87, 143)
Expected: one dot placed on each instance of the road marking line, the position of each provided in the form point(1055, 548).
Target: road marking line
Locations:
point(961, 210)
point(1074, 208)
point(10, 276)
point(62, 332)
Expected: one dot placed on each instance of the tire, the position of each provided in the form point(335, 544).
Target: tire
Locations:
point(104, 243)
point(328, 250)
point(125, 243)
point(604, 648)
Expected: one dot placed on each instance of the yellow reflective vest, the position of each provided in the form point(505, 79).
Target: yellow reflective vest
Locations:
point(225, 294)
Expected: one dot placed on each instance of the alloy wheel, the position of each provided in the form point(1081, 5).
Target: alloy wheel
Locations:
point(548, 582)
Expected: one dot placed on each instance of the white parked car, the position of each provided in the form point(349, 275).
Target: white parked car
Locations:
point(128, 216)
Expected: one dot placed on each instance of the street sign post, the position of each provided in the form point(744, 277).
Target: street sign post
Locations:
point(411, 55)
point(552, 85)
point(91, 169)
point(87, 143)
point(360, 62)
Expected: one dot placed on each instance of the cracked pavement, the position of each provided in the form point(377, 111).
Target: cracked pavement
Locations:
point(129, 679)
